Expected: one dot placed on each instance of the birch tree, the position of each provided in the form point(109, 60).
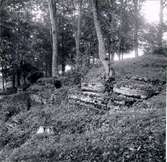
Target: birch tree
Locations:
point(101, 43)
point(161, 23)
point(77, 39)
point(53, 19)
point(136, 26)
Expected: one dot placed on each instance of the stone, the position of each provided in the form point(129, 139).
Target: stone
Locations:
point(33, 77)
point(57, 83)
point(40, 130)
point(123, 93)
point(131, 92)
point(87, 98)
point(47, 130)
point(19, 90)
point(38, 98)
point(93, 87)
point(133, 88)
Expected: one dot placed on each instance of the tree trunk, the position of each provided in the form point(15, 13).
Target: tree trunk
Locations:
point(63, 58)
point(102, 50)
point(122, 55)
point(77, 39)
point(18, 77)
point(136, 27)
point(53, 19)
point(13, 79)
point(46, 70)
point(89, 54)
point(119, 56)
point(120, 29)
point(3, 79)
point(161, 24)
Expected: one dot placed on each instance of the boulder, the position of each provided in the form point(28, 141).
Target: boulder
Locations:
point(34, 76)
point(38, 98)
point(40, 130)
point(120, 100)
point(96, 87)
point(47, 130)
point(134, 88)
point(132, 92)
point(89, 96)
point(57, 84)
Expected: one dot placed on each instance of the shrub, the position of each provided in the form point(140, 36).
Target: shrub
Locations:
point(161, 51)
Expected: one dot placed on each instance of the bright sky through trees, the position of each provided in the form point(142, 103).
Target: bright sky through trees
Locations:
point(151, 11)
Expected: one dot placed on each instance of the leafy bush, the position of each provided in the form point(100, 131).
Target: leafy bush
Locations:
point(160, 51)
point(13, 104)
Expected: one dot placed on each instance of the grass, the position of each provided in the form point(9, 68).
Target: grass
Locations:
point(135, 134)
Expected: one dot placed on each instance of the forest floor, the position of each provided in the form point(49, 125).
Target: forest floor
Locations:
point(136, 134)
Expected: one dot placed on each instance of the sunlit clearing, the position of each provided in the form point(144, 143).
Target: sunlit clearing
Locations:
point(68, 68)
point(165, 36)
point(165, 13)
point(130, 54)
point(76, 13)
point(151, 10)
point(37, 15)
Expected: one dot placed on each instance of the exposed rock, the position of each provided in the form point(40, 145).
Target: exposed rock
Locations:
point(120, 100)
point(132, 92)
point(48, 95)
point(38, 98)
point(88, 99)
point(19, 90)
point(45, 81)
point(96, 87)
point(34, 76)
point(57, 84)
point(124, 93)
point(47, 130)
point(91, 95)
point(40, 130)
point(134, 88)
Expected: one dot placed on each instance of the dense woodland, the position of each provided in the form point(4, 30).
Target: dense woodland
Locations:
point(65, 98)
point(52, 34)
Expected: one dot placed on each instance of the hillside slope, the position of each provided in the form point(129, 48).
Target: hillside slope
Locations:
point(81, 134)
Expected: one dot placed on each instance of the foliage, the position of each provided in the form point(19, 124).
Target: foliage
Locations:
point(26, 32)
point(137, 133)
point(80, 134)
point(161, 51)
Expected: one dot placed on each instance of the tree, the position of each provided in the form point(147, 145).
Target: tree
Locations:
point(161, 23)
point(77, 39)
point(136, 28)
point(53, 18)
point(20, 39)
point(101, 43)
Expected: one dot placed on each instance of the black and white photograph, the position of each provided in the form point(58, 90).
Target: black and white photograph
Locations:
point(83, 80)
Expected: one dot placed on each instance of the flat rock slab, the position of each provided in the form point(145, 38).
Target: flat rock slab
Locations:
point(133, 88)
point(93, 87)
point(88, 98)
point(125, 93)
point(118, 99)
point(91, 94)
point(38, 98)
point(47, 130)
